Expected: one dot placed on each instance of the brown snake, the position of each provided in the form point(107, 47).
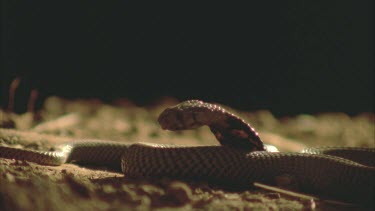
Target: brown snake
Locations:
point(242, 158)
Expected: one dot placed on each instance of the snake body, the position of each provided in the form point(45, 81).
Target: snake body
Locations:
point(241, 159)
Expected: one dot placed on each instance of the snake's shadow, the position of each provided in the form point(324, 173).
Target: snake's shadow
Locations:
point(165, 182)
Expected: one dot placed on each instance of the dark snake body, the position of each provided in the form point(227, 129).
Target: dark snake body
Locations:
point(242, 159)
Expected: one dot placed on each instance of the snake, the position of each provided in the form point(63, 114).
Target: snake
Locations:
point(240, 160)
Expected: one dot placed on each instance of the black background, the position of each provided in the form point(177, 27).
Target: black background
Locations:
point(288, 56)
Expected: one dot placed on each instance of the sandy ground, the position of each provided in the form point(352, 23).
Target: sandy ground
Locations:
point(29, 186)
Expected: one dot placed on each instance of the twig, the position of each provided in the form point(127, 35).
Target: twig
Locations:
point(32, 100)
point(300, 195)
point(12, 92)
point(283, 191)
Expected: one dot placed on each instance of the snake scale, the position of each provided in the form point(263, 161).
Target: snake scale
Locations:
point(242, 158)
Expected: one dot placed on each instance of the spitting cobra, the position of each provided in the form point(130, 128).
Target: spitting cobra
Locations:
point(241, 160)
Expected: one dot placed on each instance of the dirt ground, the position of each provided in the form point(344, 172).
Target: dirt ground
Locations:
point(29, 186)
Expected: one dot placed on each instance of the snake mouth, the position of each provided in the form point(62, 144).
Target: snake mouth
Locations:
point(172, 120)
point(166, 124)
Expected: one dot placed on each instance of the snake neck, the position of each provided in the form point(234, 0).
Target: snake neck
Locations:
point(228, 128)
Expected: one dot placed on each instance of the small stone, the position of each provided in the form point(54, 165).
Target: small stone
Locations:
point(273, 195)
point(309, 204)
point(78, 186)
point(9, 177)
point(130, 194)
point(152, 191)
point(108, 189)
point(180, 192)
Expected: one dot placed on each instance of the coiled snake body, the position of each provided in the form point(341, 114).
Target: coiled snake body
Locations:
point(241, 159)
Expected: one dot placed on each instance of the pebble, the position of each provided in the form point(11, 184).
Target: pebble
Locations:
point(9, 177)
point(180, 191)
